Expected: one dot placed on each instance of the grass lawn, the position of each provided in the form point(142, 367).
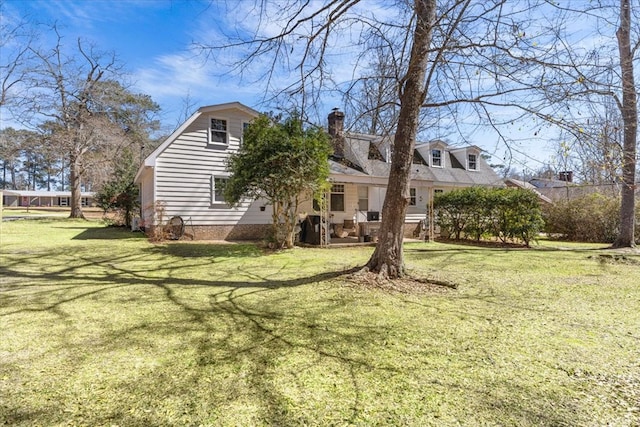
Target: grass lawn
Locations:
point(54, 211)
point(99, 327)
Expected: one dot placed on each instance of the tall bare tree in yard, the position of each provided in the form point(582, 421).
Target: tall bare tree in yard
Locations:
point(580, 71)
point(405, 31)
point(629, 109)
point(387, 259)
point(76, 96)
point(451, 61)
point(64, 91)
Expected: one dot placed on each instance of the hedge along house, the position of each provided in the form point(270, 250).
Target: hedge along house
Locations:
point(183, 176)
point(360, 168)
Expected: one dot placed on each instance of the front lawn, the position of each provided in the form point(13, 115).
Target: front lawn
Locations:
point(101, 327)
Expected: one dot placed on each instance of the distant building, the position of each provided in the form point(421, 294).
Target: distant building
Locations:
point(564, 188)
point(38, 198)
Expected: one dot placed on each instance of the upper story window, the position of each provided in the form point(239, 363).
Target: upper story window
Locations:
point(436, 158)
point(219, 133)
point(472, 162)
point(412, 197)
point(245, 125)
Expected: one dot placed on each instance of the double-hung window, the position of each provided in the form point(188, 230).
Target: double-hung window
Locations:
point(363, 199)
point(218, 134)
point(472, 162)
point(436, 158)
point(412, 197)
point(217, 189)
point(337, 198)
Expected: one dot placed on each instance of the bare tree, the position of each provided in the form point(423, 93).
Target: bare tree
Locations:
point(629, 110)
point(581, 70)
point(478, 60)
point(371, 100)
point(64, 90)
point(435, 51)
point(388, 258)
point(594, 155)
point(76, 97)
point(16, 39)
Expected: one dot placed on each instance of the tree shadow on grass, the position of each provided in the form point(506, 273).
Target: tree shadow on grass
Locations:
point(221, 329)
point(216, 250)
point(105, 233)
point(259, 348)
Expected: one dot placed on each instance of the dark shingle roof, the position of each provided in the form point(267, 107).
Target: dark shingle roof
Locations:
point(358, 149)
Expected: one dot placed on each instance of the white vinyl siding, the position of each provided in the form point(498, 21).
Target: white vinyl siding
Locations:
point(184, 169)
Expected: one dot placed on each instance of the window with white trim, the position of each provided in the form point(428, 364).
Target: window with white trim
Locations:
point(245, 125)
point(437, 191)
point(337, 198)
point(218, 133)
point(412, 197)
point(436, 157)
point(217, 189)
point(363, 198)
point(472, 162)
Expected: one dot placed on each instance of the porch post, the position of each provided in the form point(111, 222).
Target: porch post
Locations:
point(432, 227)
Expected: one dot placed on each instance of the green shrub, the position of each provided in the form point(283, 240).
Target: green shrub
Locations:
point(508, 214)
point(590, 218)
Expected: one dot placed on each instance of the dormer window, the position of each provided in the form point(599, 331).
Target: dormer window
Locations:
point(436, 158)
point(218, 134)
point(472, 162)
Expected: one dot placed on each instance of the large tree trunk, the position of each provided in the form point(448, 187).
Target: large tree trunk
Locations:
point(74, 184)
point(388, 259)
point(629, 109)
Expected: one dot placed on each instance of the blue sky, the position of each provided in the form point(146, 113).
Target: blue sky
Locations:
point(152, 38)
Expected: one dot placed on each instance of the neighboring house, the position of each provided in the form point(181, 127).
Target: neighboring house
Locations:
point(182, 176)
point(516, 183)
point(41, 198)
point(564, 188)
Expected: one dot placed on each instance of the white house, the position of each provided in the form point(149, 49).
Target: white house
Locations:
point(360, 168)
point(182, 176)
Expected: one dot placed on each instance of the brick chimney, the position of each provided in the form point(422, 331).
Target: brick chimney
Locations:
point(336, 131)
